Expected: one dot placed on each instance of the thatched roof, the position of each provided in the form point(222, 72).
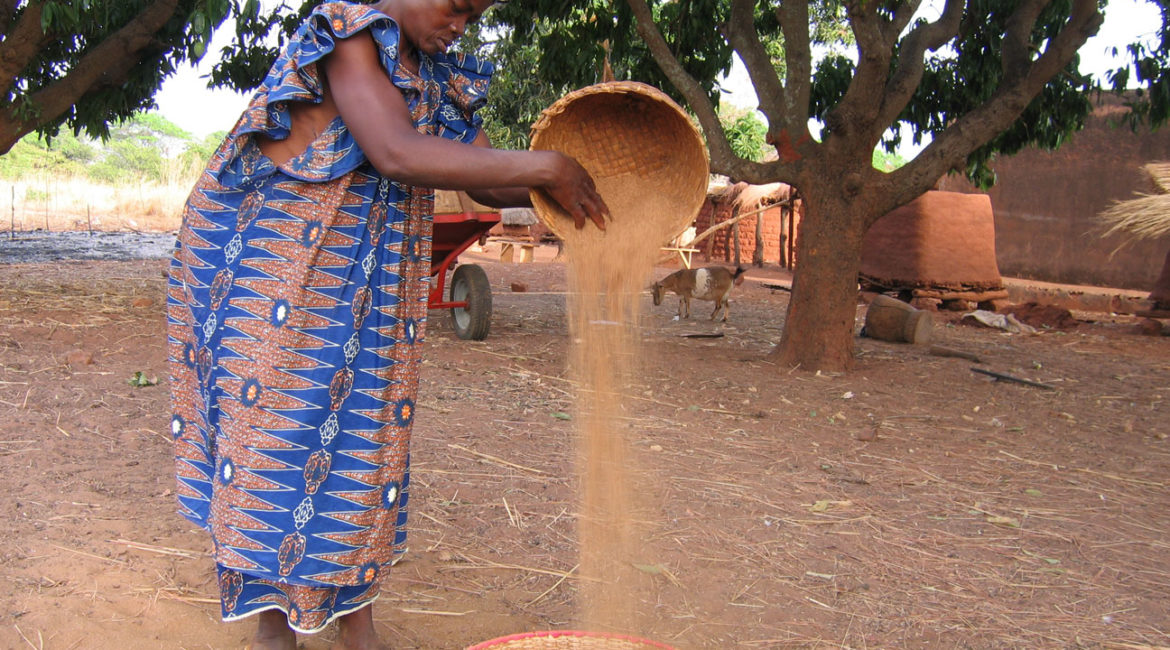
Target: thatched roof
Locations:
point(1146, 217)
point(748, 197)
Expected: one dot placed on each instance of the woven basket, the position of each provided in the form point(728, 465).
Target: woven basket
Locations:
point(569, 640)
point(645, 155)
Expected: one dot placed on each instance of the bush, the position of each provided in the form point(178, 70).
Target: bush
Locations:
point(147, 147)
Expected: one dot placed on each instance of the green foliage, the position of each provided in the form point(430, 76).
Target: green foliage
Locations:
point(569, 40)
point(514, 101)
point(745, 132)
point(956, 83)
point(546, 47)
point(830, 23)
point(156, 125)
point(146, 147)
point(67, 156)
point(1149, 66)
point(245, 61)
point(35, 194)
point(140, 380)
point(125, 155)
point(198, 152)
point(886, 161)
point(73, 33)
point(954, 86)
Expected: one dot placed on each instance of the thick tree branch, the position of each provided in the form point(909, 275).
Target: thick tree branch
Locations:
point(911, 62)
point(866, 26)
point(855, 115)
point(763, 173)
point(950, 148)
point(7, 15)
point(723, 160)
point(788, 117)
point(21, 46)
point(107, 63)
point(740, 32)
point(1017, 39)
point(902, 16)
point(793, 18)
point(1083, 24)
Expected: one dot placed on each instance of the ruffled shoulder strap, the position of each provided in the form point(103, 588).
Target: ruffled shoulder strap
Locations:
point(442, 99)
point(466, 79)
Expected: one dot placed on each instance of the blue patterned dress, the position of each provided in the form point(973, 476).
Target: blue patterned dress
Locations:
point(296, 307)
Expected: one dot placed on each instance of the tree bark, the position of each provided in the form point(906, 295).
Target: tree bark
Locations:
point(21, 44)
point(105, 64)
point(818, 329)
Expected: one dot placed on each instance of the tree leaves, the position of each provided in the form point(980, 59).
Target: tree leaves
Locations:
point(140, 380)
point(132, 44)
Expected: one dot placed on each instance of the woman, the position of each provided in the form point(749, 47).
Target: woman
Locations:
point(298, 296)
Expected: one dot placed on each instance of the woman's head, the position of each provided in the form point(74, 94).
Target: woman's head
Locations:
point(431, 26)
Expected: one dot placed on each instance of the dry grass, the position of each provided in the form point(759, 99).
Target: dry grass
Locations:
point(60, 204)
point(1160, 173)
point(1146, 217)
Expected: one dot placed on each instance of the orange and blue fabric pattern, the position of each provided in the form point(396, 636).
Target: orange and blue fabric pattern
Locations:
point(297, 307)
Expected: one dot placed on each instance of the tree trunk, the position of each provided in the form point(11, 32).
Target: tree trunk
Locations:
point(818, 329)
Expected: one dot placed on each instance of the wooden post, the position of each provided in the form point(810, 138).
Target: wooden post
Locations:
point(1160, 296)
point(792, 234)
point(782, 250)
point(758, 251)
point(12, 219)
point(735, 232)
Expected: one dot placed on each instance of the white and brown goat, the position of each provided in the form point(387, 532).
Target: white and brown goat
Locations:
point(707, 283)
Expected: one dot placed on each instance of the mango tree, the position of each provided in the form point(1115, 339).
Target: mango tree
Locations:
point(978, 77)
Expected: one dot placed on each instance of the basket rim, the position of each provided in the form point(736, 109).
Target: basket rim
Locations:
point(554, 116)
point(606, 87)
point(552, 634)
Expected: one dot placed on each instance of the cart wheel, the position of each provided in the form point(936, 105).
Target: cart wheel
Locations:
point(470, 283)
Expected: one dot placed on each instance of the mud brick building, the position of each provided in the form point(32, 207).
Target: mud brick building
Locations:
point(1046, 204)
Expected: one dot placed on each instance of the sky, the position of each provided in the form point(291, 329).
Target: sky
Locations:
point(185, 100)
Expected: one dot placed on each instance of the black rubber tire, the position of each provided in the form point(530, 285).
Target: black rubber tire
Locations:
point(470, 283)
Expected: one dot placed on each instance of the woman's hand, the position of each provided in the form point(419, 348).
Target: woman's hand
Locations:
point(356, 82)
point(573, 188)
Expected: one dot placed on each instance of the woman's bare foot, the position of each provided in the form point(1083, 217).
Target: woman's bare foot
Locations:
point(273, 632)
point(356, 631)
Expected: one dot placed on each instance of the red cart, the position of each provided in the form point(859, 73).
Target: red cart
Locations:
point(459, 223)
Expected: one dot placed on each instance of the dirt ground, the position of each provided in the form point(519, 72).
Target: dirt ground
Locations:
point(911, 503)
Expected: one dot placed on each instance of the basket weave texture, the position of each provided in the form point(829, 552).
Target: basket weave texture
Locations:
point(646, 157)
point(569, 640)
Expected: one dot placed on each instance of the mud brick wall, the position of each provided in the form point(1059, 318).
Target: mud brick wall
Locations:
point(1045, 204)
point(941, 240)
point(720, 246)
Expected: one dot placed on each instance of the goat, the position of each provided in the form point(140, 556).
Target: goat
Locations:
point(707, 283)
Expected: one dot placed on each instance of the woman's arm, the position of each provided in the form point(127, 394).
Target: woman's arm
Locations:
point(377, 115)
point(499, 197)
